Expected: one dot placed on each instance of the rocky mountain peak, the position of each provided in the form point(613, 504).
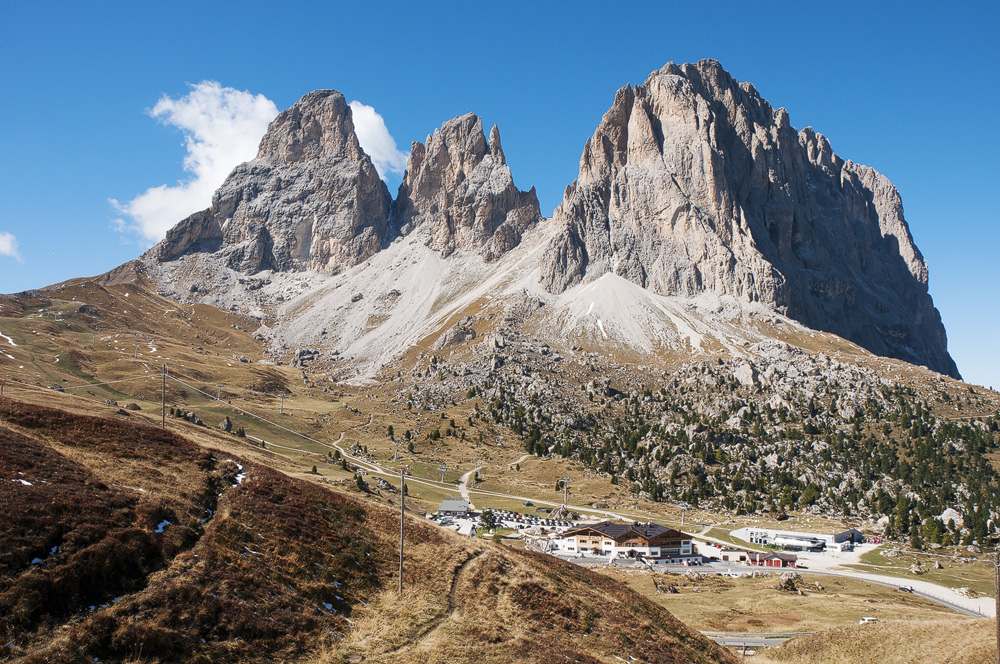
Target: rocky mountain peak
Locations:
point(460, 188)
point(311, 199)
point(496, 150)
point(693, 183)
point(319, 125)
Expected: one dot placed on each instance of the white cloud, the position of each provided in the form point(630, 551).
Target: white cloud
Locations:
point(375, 139)
point(8, 246)
point(222, 128)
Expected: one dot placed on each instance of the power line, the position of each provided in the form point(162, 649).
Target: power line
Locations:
point(77, 387)
point(372, 466)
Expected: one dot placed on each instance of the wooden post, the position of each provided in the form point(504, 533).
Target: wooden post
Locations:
point(163, 399)
point(401, 500)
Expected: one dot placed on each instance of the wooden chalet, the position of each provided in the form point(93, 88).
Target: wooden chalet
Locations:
point(649, 540)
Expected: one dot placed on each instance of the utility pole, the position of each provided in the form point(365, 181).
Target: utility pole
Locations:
point(402, 498)
point(281, 406)
point(163, 397)
point(684, 507)
point(443, 469)
point(396, 453)
point(219, 395)
point(565, 482)
point(136, 354)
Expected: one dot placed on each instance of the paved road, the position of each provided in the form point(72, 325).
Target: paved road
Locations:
point(749, 642)
point(980, 607)
point(463, 486)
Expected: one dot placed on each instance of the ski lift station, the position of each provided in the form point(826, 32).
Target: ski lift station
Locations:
point(798, 541)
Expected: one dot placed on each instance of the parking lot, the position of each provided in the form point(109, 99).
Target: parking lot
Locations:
point(517, 521)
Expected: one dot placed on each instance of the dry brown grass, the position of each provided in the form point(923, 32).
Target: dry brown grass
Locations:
point(284, 570)
point(714, 603)
point(504, 606)
point(910, 642)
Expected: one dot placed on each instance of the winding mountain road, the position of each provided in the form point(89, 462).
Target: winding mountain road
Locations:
point(981, 606)
point(463, 486)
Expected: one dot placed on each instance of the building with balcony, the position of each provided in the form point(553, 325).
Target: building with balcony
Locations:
point(620, 540)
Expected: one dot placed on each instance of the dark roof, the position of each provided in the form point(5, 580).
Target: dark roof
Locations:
point(617, 530)
point(784, 557)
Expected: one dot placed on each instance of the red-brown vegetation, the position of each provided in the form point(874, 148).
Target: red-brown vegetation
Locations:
point(256, 566)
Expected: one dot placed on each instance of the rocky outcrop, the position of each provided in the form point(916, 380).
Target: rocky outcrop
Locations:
point(693, 183)
point(460, 187)
point(311, 199)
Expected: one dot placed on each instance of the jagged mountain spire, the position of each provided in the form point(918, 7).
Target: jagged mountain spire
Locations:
point(461, 188)
point(693, 183)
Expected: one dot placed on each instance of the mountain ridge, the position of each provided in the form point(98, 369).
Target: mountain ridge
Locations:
point(692, 184)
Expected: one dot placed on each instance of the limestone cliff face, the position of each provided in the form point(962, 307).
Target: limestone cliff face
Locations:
point(460, 187)
point(311, 199)
point(693, 183)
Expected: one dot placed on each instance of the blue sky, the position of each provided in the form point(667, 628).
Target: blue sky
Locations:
point(909, 88)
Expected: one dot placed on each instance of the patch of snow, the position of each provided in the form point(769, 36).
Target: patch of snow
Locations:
point(241, 476)
point(161, 525)
point(601, 325)
point(53, 551)
point(24, 482)
point(9, 340)
point(35, 561)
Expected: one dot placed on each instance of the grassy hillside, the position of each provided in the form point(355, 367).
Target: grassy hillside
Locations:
point(712, 603)
point(910, 642)
point(123, 542)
